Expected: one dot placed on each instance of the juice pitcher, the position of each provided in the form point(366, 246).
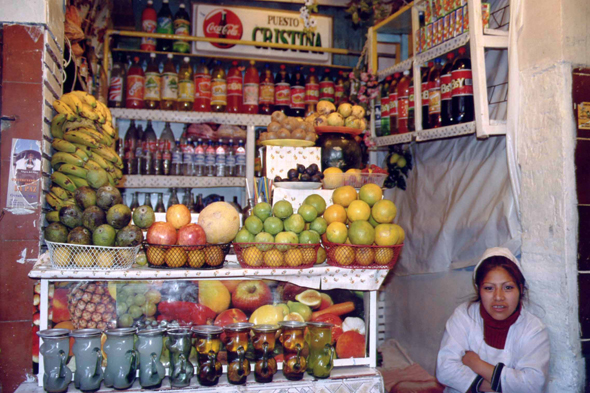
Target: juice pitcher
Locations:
point(294, 363)
point(208, 345)
point(321, 352)
point(88, 354)
point(179, 345)
point(55, 350)
point(122, 359)
point(149, 347)
point(264, 341)
point(236, 344)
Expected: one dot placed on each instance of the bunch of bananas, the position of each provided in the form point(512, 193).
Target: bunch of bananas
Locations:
point(84, 140)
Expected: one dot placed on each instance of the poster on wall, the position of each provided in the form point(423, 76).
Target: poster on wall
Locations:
point(25, 174)
point(259, 25)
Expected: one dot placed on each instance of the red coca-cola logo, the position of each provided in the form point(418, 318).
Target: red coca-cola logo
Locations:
point(223, 23)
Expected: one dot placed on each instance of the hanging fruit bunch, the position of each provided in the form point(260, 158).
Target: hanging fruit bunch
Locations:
point(399, 164)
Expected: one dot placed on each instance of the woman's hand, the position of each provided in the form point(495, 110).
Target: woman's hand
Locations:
point(478, 366)
point(471, 360)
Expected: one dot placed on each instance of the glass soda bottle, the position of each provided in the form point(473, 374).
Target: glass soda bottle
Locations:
point(403, 101)
point(339, 89)
point(312, 92)
point(116, 84)
point(160, 208)
point(385, 129)
point(165, 147)
point(202, 88)
point(267, 91)
point(297, 93)
point(230, 160)
point(149, 146)
point(241, 159)
point(234, 89)
point(282, 90)
point(173, 200)
point(378, 108)
point(434, 120)
point(210, 159)
point(327, 87)
point(462, 100)
point(151, 93)
point(129, 162)
point(135, 86)
point(169, 85)
point(446, 92)
point(199, 206)
point(218, 89)
point(147, 201)
point(186, 86)
point(251, 89)
point(199, 159)
point(164, 26)
point(149, 23)
point(220, 159)
point(411, 106)
point(393, 103)
point(176, 168)
point(134, 201)
point(425, 94)
point(139, 151)
point(182, 26)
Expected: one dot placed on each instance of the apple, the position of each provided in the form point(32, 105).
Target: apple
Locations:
point(233, 315)
point(161, 233)
point(191, 235)
point(251, 294)
point(231, 285)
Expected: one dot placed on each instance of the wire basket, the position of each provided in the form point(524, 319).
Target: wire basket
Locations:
point(83, 257)
point(357, 180)
point(351, 256)
point(209, 256)
point(276, 255)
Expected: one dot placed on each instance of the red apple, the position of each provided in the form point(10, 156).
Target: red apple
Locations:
point(191, 235)
point(251, 294)
point(233, 315)
point(161, 233)
point(231, 285)
point(335, 321)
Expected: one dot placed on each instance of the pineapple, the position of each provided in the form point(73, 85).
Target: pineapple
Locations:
point(91, 306)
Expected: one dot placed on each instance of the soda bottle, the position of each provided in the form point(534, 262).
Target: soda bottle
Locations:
point(462, 100)
point(199, 159)
point(393, 103)
point(282, 91)
point(139, 151)
point(230, 160)
point(327, 87)
point(182, 26)
point(151, 93)
point(164, 26)
point(385, 129)
point(234, 89)
point(267, 91)
point(147, 201)
point(425, 93)
point(186, 87)
point(149, 147)
point(403, 102)
point(160, 208)
point(434, 120)
point(220, 159)
point(199, 206)
point(411, 112)
point(446, 92)
point(241, 159)
point(202, 88)
point(251, 89)
point(134, 201)
point(312, 92)
point(130, 146)
point(169, 85)
point(339, 89)
point(378, 109)
point(148, 25)
point(218, 89)
point(297, 93)
point(173, 200)
point(176, 168)
point(135, 85)
point(188, 153)
point(187, 199)
point(118, 76)
point(165, 144)
point(210, 159)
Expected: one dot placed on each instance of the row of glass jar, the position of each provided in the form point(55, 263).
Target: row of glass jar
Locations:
point(124, 357)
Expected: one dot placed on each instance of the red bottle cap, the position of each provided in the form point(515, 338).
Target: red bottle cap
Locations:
point(462, 50)
point(234, 63)
point(282, 67)
point(451, 56)
point(312, 69)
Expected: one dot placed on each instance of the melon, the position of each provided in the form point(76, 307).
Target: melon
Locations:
point(220, 221)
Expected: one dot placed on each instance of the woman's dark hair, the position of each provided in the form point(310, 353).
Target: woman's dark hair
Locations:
point(495, 262)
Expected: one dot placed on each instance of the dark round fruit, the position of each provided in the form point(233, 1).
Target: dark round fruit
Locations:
point(321, 175)
point(293, 174)
point(305, 177)
point(316, 178)
point(278, 179)
point(312, 169)
point(300, 168)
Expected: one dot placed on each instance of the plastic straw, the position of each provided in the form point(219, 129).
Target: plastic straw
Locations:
point(248, 189)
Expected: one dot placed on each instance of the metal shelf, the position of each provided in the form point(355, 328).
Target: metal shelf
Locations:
point(146, 181)
point(237, 119)
point(445, 132)
point(396, 139)
point(443, 48)
point(400, 67)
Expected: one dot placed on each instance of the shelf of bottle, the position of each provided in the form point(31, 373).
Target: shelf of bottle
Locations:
point(399, 67)
point(147, 181)
point(426, 135)
point(238, 119)
point(396, 139)
point(442, 49)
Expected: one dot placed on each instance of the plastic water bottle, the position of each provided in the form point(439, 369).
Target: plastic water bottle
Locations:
point(199, 159)
point(241, 160)
point(230, 160)
point(220, 160)
point(187, 158)
point(176, 160)
point(210, 159)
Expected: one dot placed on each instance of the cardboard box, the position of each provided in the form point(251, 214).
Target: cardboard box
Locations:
point(429, 38)
point(485, 15)
point(422, 39)
point(418, 41)
point(452, 18)
point(428, 17)
point(465, 19)
point(459, 22)
point(446, 27)
point(439, 31)
point(280, 159)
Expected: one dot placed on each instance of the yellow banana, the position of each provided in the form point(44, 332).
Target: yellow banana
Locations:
point(81, 138)
point(82, 154)
point(118, 174)
point(57, 124)
point(106, 111)
point(102, 138)
point(52, 216)
point(62, 108)
point(77, 123)
point(106, 153)
point(109, 130)
point(61, 145)
point(92, 165)
point(63, 181)
point(72, 101)
point(85, 97)
point(101, 162)
point(78, 181)
point(60, 193)
point(87, 112)
point(73, 170)
point(66, 158)
point(53, 201)
point(112, 180)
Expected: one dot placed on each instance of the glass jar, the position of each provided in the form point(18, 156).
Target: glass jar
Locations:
point(264, 341)
point(149, 347)
point(208, 345)
point(236, 344)
point(321, 352)
point(55, 350)
point(88, 355)
point(179, 345)
point(122, 358)
point(293, 337)
point(340, 150)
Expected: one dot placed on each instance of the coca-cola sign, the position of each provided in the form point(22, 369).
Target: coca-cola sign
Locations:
point(223, 23)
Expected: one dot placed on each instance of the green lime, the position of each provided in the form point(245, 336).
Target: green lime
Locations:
point(309, 237)
point(244, 236)
point(262, 210)
point(264, 237)
point(295, 223)
point(286, 237)
point(254, 225)
point(273, 225)
point(319, 225)
point(308, 212)
point(316, 201)
point(282, 209)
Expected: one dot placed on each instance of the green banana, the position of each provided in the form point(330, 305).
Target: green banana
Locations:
point(79, 182)
point(82, 154)
point(106, 153)
point(66, 158)
point(112, 180)
point(57, 123)
point(73, 170)
point(92, 165)
point(64, 181)
point(100, 161)
point(102, 138)
point(60, 193)
point(81, 138)
point(61, 145)
point(62, 107)
point(118, 174)
point(52, 216)
point(53, 201)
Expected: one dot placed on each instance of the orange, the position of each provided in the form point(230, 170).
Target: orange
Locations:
point(365, 256)
point(337, 232)
point(361, 232)
point(386, 234)
point(309, 256)
point(196, 258)
point(335, 213)
point(155, 256)
point(333, 178)
point(178, 216)
point(293, 257)
point(358, 211)
point(252, 256)
point(353, 177)
point(402, 233)
point(273, 258)
point(383, 256)
point(344, 195)
point(321, 255)
point(371, 193)
point(175, 257)
point(344, 255)
point(214, 256)
point(384, 211)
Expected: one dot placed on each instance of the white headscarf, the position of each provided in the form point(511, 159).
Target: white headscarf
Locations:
point(496, 252)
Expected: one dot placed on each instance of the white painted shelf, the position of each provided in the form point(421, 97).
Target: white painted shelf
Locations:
point(238, 119)
point(146, 181)
point(442, 49)
point(396, 139)
point(445, 132)
point(400, 67)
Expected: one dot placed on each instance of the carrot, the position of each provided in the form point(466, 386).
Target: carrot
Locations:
point(336, 309)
